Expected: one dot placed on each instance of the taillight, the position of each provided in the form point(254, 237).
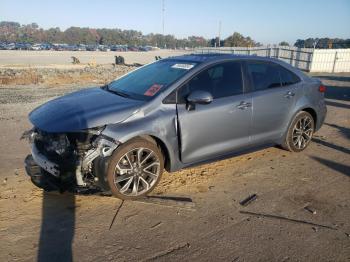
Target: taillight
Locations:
point(322, 89)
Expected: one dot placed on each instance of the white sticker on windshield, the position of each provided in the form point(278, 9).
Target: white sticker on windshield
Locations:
point(183, 66)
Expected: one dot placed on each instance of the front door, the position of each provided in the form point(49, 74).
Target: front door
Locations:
point(211, 130)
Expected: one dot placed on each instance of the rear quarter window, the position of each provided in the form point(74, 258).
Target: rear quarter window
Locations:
point(288, 77)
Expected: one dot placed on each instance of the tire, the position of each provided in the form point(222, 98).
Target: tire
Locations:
point(138, 162)
point(297, 141)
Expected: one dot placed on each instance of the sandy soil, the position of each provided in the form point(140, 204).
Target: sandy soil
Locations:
point(214, 226)
point(62, 59)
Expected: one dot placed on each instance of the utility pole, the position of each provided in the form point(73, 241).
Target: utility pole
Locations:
point(219, 32)
point(163, 18)
point(163, 15)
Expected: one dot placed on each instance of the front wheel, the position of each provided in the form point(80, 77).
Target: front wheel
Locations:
point(135, 169)
point(300, 132)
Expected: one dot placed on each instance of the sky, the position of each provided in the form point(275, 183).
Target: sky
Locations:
point(266, 21)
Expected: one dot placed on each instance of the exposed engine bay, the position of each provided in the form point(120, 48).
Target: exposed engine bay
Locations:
point(69, 161)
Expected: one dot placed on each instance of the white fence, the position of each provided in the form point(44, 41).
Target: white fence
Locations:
point(331, 60)
point(308, 59)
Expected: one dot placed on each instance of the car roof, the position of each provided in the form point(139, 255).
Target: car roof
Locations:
point(209, 58)
point(212, 57)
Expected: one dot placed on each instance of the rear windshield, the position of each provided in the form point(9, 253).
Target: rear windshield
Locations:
point(149, 81)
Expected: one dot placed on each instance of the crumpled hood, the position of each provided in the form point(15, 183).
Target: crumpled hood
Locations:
point(81, 110)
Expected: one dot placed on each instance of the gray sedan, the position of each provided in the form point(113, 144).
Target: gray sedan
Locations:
point(170, 114)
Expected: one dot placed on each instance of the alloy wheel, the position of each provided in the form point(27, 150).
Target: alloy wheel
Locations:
point(302, 132)
point(136, 171)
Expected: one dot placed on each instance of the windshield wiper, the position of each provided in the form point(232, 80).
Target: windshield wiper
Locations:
point(106, 87)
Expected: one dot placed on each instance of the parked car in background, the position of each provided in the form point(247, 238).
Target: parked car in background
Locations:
point(145, 48)
point(104, 48)
point(91, 48)
point(23, 46)
point(133, 48)
point(36, 47)
point(81, 47)
point(41, 46)
point(170, 114)
point(119, 48)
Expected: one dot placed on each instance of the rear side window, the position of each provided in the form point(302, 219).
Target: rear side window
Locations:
point(264, 75)
point(269, 75)
point(287, 77)
point(221, 80)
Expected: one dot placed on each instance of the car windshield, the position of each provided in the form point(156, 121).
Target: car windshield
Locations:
point(149, 81)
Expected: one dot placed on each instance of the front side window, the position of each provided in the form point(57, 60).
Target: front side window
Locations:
point(150, 80)
point(221, 80)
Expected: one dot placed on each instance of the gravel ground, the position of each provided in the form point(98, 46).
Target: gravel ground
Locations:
point(62, 59)
point(214, 226)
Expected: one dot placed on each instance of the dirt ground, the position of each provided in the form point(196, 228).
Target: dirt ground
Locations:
point(62, 59)
point(195, 214)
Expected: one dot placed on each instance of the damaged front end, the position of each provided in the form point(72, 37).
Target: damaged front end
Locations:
point(73, 161)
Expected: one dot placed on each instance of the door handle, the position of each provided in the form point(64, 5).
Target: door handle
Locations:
point(244, 105)
point(289, 94)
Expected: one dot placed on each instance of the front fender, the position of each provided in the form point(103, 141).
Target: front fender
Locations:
point(160, 123)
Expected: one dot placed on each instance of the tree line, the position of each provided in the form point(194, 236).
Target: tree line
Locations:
point(32, 33)
point(323, 43)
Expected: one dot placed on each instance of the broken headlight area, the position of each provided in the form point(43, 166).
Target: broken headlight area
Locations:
point(68, 161)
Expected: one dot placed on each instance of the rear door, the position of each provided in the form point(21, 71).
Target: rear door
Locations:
point(223, 125)
point(274, 94)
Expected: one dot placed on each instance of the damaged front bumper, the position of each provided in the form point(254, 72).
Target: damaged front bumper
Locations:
point(66, 161)
point(44, 162)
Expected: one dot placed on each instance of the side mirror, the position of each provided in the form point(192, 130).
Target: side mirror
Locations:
point(198, 97)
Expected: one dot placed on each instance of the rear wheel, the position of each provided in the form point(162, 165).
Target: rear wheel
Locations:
point(300, 132)
point(135, 169)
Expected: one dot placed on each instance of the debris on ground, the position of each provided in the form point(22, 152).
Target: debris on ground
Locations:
point(170, 201)
point(75, 60)
point(286, 219)
point(310, 209)
point(248, 200)
point(119, 60)
point(162, 254)
point(116, 214)
point(156, 225)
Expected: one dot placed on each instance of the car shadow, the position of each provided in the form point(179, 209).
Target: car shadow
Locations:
point(337, 92)
point(341, 168)
point(57, 227)
point(334, 77)
point(334, 91)
point(344, 130)
point(330, 145)
point(337, 104)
